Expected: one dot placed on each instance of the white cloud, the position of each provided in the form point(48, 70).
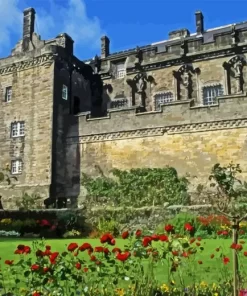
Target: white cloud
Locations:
point(73, 20)
point(51, 21)
point(10, 22)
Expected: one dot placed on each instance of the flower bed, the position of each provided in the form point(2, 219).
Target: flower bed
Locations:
point(157, 264)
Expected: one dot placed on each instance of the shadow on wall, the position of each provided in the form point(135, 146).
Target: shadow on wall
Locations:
point(85, 93)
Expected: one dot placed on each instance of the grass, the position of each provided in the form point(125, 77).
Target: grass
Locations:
point(207, 271)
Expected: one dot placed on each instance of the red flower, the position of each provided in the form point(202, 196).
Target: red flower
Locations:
point(138, 233)
point(99, 249)
point(226, 260)
point(163, 238)
point(198, 244)
point(113, 242)
point(199, 262)
point(212, 256)
point(46, 269)
point(39, 253)
point(106, 238)
point(85, 246)
point(175, 253)
point(125, 234)
point(199, 239)
point(36, 294)
point(225, 232)
point(35, 267)
point(245, 253)
point(93, 258)
point(98, 262)
point(85, 269)
point(192, 240)
point(9, 262)
point(169, 228)
point(72, 247)
point(123, 256)
point(21, 249)
point(78, 265)
point(106, 251)
point(146, 241)
point(116, 250)
point(53, 257)
point(155, 237)
point(188, 227)
point(44, 223)
point(185, 254)
point(237, 247)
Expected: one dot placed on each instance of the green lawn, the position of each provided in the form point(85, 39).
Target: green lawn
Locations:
point(207, 271)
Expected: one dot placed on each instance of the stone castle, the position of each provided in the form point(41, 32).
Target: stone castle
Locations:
point(180, 102)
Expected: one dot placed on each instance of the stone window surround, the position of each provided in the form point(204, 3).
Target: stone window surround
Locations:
point(119, 73)
point(4, 88)
point(65, 92)
point(210, 84)
point(16, 166)
point(119, 100)
point(8, 94)
point(162, 93)
point(19, 127)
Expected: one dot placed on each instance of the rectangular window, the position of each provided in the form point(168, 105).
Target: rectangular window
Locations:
point(8, 94)
point(119, 103)
point(210, 93)
point(16, 167)
point(120, 70)
point(18, 129)
point(65, 92)
point(162, 98)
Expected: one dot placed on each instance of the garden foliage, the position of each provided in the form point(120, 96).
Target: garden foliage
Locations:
point(139, 187)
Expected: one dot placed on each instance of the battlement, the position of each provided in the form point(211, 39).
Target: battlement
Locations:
point(176, 117)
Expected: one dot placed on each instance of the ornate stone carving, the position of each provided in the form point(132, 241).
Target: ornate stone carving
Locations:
point(160, 131)
point(139, 58)
point(234, 67)
point(23, 65)
point(184, 77)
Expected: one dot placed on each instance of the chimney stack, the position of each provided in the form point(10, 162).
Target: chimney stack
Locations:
point(105, 47)
point(199, 22)
point(28, 27)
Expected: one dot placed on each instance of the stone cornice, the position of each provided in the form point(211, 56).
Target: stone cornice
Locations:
point(160, 131)
point(42, 60)
point(190, 57)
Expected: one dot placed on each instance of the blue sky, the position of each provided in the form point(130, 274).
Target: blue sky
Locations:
point(127, 23)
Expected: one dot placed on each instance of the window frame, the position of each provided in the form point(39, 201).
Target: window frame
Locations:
point(65, 89)
point(209, 99)
point(119, 69)
point(20, 129)
point(123, 102)
point(170, 99)
point(7, 95)
point(18, 165)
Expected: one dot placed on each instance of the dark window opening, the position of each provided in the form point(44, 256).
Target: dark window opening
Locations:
point(76, 105)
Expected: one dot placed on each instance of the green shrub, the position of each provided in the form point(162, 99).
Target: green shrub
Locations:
point(139, 187)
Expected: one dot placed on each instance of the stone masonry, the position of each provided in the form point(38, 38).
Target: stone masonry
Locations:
point(180, 102)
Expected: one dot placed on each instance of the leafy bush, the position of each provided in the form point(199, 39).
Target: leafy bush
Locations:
point(139, 187)
point(105, 226)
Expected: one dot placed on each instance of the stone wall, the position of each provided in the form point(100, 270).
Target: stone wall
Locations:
point(190, 139)
point(32, 102)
